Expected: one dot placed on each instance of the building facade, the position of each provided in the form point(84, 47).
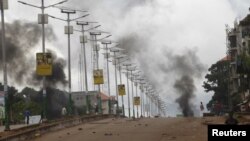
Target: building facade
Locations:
point(238, 44)
point(80, 101)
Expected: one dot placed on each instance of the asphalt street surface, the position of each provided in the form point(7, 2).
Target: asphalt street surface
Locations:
point(147, 129)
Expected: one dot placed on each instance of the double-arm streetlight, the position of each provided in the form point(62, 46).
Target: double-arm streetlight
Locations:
point(131, 69)
point(106, 56)
point(119, 62)
point(115, 51)
point(83, 40)
point(147, 101)
point(96, 49)
point(68, 31)
point(127, 65)
point(142, 98)
point(132, 92)
point(136, 76)
point(152, 103)
point(43, 19)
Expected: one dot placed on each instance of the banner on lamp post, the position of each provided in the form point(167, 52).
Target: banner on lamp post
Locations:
point(44, 64)
point(98, 77)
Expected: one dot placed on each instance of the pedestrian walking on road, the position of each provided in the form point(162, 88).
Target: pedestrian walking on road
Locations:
point(96, 109)
point(64, 111)
point(202, 109)
point(27, 116)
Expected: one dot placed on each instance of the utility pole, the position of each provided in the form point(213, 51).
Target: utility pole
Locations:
point(136, 96)
point(96, 49)
point(5, 78)
point(120, 74)
point(141, 95)
point(127, 65)
point(107, 55)
point(132, 87)
point(69, 31)
point(116, 87)
point(43, 19)
point(136, 92)
point(147, 103)
point(83, 40)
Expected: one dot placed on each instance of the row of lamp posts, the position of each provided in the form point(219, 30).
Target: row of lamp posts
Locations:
point(43, 19)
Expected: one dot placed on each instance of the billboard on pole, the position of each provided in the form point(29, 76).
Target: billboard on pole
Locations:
point(137, 100)
point(44, 64)
point(98, 76)
point(121, 90)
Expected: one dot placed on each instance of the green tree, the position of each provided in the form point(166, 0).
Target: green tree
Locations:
point(12, 98)
point(21, 106)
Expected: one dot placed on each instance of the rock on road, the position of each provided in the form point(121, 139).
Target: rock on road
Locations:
point(147, 129)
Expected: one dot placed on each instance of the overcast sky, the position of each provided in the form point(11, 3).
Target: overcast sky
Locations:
point(174, 26)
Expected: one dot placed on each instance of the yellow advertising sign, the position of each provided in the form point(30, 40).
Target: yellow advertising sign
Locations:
point(98, 76)
point(44, 64)
point(121, 90)
point(137, 100)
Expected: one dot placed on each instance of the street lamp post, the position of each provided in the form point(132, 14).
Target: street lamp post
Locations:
point(116, 87)
point(107, 63)
point(136, 96)
point(83, 40)
point(43, 19)
point(97, 67)
point(141, 95)
point(96, 49)
point(120, 74)
point(127, 65)
point(158, 104)
point(5, 78)
point(136, 93)
point(150, 103)
point(69, 59)
point(146, 102)
point(132, 87)
point(80, 71)
point(68, 31)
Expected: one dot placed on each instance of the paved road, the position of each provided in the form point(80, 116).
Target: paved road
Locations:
point(155, 129)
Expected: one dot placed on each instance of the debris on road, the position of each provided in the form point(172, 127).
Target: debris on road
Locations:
point(79, 129)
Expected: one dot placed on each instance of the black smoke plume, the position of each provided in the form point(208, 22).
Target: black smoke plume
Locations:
point(182, 68)
point(185, 87)
point(21, 39)
point(188, 67)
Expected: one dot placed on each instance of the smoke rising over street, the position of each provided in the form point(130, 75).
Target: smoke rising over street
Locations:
point(170, 41)
point(179, 70)
point(21, 40)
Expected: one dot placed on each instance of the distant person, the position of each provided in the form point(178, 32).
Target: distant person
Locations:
point(201, 108)
point(64, 111)
point(96, 109)
point(42, 116)
point(27, 116)
point(231, 120)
